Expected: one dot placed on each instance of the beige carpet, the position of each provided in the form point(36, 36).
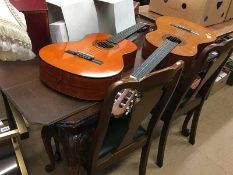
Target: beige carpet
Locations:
point(211, 155)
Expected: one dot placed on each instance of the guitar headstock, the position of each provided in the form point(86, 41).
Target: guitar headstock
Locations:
point(124, 102)
point(147, 27)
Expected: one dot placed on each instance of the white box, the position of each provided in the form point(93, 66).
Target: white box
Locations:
point(79, 15)
point(115, 16)
point(58, 32)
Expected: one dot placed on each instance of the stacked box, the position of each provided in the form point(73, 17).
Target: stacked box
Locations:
point(204, 12)
point(230, 12)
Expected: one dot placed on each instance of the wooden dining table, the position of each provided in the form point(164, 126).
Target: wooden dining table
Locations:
point(20, 84)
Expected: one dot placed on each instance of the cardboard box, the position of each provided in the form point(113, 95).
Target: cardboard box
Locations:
point(204, 12)
point(115, 16)
point(79, 15)
point(230, 12)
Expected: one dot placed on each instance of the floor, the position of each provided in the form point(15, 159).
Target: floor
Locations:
point(211, 155)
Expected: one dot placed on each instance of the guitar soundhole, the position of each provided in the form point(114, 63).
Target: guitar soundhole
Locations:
point(104, 44)
point(174, 39)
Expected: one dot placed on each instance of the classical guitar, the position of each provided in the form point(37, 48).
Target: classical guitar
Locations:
point(193, 36)
point(86, 68)
point(174, 38)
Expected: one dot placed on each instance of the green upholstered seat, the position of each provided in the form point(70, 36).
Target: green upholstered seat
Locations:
point(115, 133)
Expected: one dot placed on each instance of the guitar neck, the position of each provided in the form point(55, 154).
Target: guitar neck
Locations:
point(155, 58)
point(125, 33)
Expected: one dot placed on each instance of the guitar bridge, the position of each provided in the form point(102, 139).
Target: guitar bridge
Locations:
point(184, 28)
point(85, 56)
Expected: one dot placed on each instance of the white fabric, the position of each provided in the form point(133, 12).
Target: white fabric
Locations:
point(15, 43)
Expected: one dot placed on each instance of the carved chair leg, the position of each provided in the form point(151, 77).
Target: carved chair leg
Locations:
point(185, 131)
point(194, 124)
point(46, 134)
point(163, 141)
point(144, 158)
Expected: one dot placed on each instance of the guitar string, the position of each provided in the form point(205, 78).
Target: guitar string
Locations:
point(164, 53)
point(122, 35)
point(183, 33)
point(127, 32)
point(161, 48)
point(153, 62)
point(159, 56)
point(144, 68)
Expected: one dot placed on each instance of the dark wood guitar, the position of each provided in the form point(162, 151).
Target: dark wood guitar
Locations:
point(86, 68)
point(174, 37)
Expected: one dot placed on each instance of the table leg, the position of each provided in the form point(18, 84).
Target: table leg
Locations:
point(47, 133)
point(75, 147)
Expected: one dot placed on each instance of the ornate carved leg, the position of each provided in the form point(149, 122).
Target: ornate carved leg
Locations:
point(185, 131)
point(75, 147)
point(47, 134)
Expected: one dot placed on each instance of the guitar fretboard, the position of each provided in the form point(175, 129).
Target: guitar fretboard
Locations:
point(125, 33)
point(155, 58)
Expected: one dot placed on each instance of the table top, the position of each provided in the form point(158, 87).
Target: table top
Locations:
point(37, 103)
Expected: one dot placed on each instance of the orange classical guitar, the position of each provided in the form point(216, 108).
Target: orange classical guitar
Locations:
point(193, 39)
point(86, 68)
point(175, 39)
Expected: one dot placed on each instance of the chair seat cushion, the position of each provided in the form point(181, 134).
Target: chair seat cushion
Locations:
point(115, 133)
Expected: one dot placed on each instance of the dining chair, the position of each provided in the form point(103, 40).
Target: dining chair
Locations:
point(189, 101)
point(115, 138)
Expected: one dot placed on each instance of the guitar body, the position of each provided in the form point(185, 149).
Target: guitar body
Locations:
point(81, 78)
point(191, 41)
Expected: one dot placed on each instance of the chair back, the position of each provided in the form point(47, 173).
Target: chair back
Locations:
point(155, 89)
point(220, 52)
point(181, 96)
